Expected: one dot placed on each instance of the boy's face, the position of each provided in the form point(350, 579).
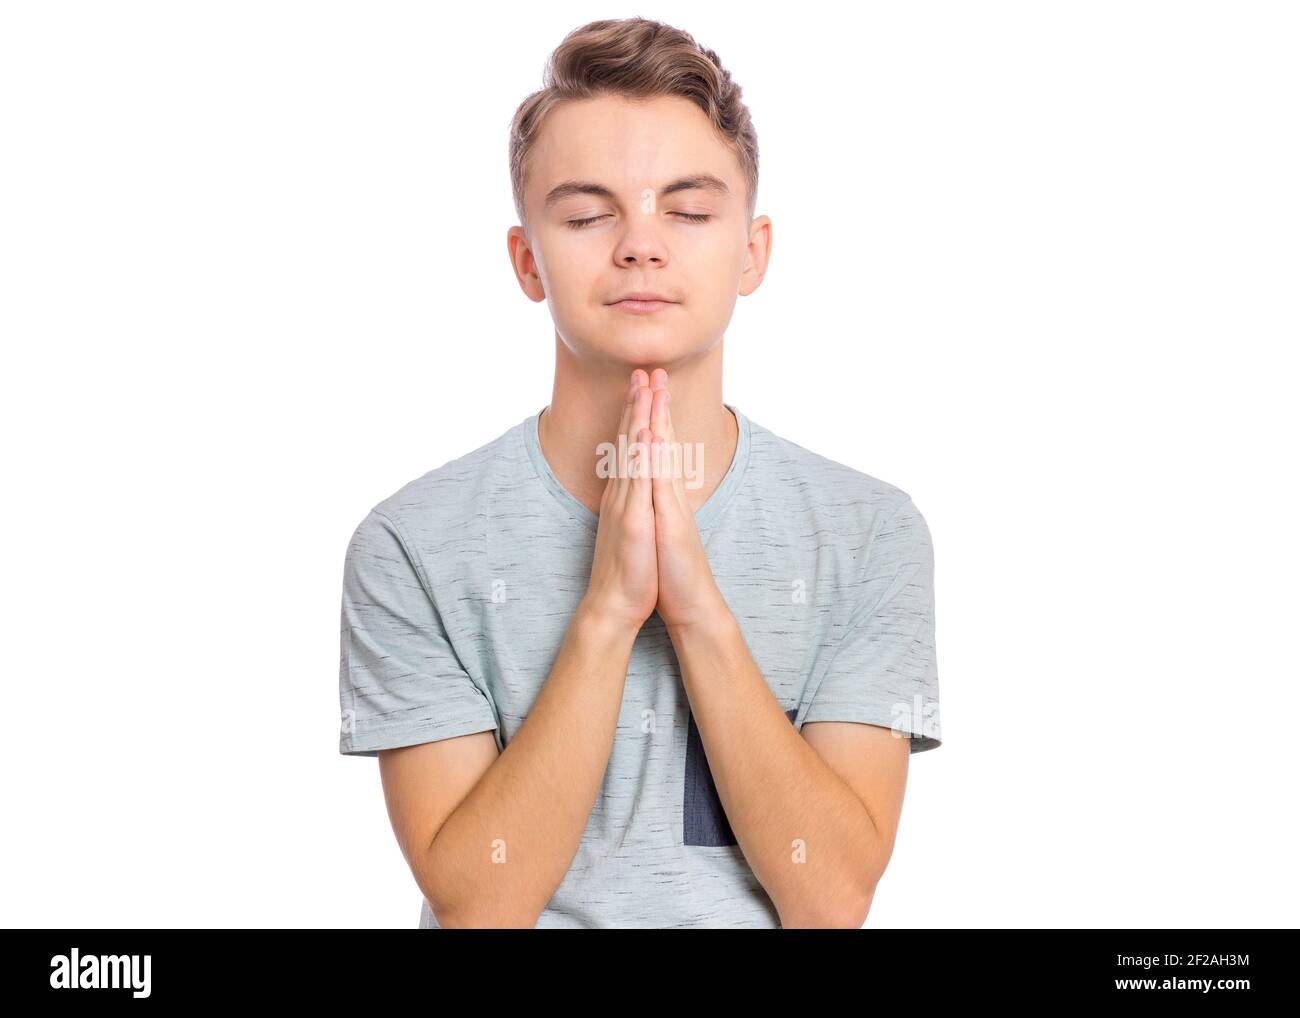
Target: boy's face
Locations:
point(624, 228)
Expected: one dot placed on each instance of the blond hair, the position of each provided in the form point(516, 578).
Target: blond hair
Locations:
point(639, 59)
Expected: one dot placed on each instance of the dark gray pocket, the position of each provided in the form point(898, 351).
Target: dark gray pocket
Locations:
point(703, 819)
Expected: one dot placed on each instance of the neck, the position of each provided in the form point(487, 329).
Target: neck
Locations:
point(587, 404)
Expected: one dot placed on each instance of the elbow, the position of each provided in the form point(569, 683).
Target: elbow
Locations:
point(845, 912)
point(461, 904)
point(472, 918)
point(475, 913)
point(856, 917)
point(467, 908)
point(852, 913)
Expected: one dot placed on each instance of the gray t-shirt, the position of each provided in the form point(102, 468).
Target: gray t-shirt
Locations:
point(458, 589)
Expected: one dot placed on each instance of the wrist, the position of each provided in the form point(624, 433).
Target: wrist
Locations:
point(591, 619)
point(713, 621)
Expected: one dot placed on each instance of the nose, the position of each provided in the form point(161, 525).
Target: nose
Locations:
point(640, 244)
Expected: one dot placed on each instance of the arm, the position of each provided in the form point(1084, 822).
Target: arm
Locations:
point(816, 815)
point(490, 837)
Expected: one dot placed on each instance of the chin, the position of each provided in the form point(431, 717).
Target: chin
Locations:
point(637, 347)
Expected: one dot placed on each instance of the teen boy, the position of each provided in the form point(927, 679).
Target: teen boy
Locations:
point(636, 698)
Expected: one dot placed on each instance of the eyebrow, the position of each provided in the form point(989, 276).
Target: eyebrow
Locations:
point(694, 181)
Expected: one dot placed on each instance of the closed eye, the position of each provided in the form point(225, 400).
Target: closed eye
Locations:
point(578, 224)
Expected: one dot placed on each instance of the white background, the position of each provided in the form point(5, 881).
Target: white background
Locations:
point(1034, 263)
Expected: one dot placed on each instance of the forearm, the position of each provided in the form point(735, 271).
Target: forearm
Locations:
point(806, 835)
point(505, 849)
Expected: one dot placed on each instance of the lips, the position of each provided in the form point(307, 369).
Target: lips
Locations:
point(644, 296)
point(642, 302)
point(642, 307)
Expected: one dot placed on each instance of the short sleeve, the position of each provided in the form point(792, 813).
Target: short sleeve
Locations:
point(883, 668)
point(400, 680)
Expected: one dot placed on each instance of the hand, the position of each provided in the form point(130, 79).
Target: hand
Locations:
point(623, 587)
point(687, 591)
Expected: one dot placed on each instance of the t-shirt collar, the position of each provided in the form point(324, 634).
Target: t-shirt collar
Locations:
point(705, 515)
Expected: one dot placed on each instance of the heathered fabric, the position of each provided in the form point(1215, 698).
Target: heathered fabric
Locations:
point(458, 589)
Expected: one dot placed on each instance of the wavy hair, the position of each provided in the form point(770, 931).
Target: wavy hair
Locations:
point(639, 59)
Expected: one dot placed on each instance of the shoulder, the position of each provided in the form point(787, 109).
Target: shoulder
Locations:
point(446, 502)
point(845, 500)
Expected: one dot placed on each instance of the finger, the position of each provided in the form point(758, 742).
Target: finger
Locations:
point(665, 500)
point(639, 420)
point(627, 405)
point(677, 454)
point(659, 420)
point(666, 426)
point(618, 482)
point(640, 496)
point(660, 424)
point(640, 412)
